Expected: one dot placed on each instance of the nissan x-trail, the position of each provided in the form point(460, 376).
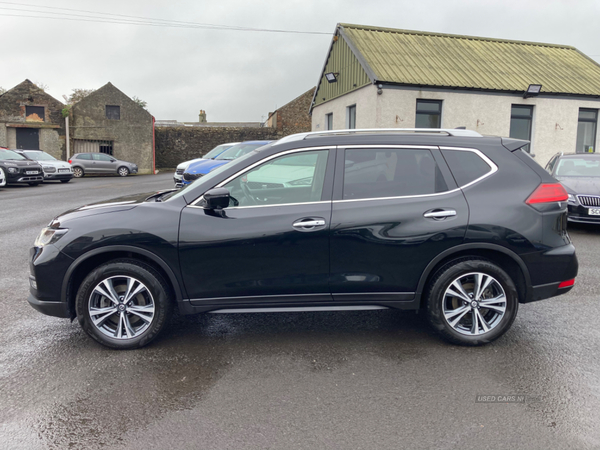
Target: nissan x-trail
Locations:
point(459, 226)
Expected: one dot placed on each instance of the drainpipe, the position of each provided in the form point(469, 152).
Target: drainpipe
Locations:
point(153, 147)
point(67, 137)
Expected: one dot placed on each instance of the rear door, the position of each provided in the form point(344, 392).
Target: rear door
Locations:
point(395, 208)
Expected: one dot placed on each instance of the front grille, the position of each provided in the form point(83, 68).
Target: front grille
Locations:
point(191, 176)
point(49, 169)
point(589, 200)
point(180, 171)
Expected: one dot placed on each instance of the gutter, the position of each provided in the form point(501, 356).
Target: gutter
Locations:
point(153, 146)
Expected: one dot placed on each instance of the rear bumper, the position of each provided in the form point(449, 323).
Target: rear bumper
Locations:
point(562, 262)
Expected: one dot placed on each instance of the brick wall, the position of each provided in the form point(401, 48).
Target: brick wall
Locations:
point(293, 117)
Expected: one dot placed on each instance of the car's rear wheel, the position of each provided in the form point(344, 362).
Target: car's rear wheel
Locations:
point(123, 304)
point(78, 172)
point(471, 302)
point(123, 171)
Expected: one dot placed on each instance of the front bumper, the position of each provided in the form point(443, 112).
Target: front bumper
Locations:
point(21, 178)
point(58, 176)
point(56, 309)
point(581, 214)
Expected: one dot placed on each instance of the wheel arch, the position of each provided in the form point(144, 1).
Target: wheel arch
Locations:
point(88, 261)
point(508, 260)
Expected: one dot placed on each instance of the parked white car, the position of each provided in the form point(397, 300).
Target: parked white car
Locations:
point(178, 176)
point(54, 169)
point(2, 178)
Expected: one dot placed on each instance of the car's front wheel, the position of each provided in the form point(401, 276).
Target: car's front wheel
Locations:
point(123, 304)
point(123, 171)
point(471, 302)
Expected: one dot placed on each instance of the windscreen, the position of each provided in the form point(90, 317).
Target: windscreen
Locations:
point(40, 156)
point(7, 155)
point(578, 167)
point(238, 150)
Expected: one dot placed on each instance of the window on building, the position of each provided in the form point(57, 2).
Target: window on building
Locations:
point(351, 113)
point(429, 114)
point(586, 130)
point(113, 112)
point(376, 173)
point(521, 118)
point(35, 113)
point(329, 121)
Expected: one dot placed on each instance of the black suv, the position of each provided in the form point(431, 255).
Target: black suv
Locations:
point(461, 226)
point(18, 169)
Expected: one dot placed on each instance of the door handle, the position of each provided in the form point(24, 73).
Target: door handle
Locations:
point(305, 224)
point(439, 214)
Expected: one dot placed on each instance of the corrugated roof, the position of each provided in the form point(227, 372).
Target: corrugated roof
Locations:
point(445, 60)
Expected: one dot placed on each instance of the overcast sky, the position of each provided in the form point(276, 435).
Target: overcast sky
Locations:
point(243, 75)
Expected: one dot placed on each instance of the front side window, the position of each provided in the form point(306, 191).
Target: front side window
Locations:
point(586, 130)
point(113, 112)
point(376, 173)
point(351, 122)
point(329, 121)
point(521, 118)
point(295, 178)
point(429, 114)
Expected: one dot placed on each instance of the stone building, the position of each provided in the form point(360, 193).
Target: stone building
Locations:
point(32, 119)
point(108, 121)
point(387, 78)
point(294, 116)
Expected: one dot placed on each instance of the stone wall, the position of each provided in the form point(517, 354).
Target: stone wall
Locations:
point(177, 144)
point(294, 117)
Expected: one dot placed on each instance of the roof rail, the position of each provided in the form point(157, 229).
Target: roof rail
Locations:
point(447, 131)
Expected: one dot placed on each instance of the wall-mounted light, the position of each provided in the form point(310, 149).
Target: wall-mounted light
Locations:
point(533, 90)
point(332, 77)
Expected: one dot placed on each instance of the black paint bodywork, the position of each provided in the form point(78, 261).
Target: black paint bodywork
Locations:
point(371, 251)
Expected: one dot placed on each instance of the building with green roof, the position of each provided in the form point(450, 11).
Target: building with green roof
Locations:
point(377, 77)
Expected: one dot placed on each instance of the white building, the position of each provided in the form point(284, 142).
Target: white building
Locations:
point(387, 78)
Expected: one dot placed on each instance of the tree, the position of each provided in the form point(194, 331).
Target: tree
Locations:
point(139, 101)
point(42, 86)
point(2, 90)
point(77, 95)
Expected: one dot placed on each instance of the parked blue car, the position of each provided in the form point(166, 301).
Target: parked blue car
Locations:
point(201, 168)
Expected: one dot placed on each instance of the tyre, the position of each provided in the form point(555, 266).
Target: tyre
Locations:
point(34, 183)
point(78, 172)
point(123, 304)
point(471, 301)
point(65, 181)
point(123, 171)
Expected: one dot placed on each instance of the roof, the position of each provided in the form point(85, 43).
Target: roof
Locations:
point(417, 58)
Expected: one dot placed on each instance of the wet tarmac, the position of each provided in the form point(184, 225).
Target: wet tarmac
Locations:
point(344, 380)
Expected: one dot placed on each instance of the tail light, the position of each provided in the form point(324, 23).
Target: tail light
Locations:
point(567, 283)
point(70, 162)
point(547, 193)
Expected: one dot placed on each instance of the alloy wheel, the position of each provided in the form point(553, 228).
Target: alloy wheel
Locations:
point(123, 171)
point(121, 307)
point(474, 304)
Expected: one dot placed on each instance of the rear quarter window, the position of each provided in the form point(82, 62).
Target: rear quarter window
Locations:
point(466, 166)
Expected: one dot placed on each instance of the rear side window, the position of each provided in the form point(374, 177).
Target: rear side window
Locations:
point(84, 156)
point(466, 166)
point(376, 173)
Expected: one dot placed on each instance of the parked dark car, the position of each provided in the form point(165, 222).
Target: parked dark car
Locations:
point(580, 175)
point(54, 169)
point(460, 226)
point(19, 170)
point(100, 163)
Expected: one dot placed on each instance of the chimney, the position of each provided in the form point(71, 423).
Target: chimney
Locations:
point(202, 116)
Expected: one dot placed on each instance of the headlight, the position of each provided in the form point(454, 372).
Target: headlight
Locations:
point(572, 199)
point(13, 170)
point(49, 236)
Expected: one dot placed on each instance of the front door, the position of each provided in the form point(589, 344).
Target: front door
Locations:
point(28, 138)
point(104, 163)
point(394, 210)
point(271, 244)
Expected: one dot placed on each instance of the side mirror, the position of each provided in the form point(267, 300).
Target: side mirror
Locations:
point(217, 198)
point(113, 160)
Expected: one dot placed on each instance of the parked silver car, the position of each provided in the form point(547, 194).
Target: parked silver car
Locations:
point(99, 163)
point(54, 169)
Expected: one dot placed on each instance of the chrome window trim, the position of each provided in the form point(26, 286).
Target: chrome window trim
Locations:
point(416, 147)
point(229, 208)
point(397, 197)
point(488, 161)
point(258, 163)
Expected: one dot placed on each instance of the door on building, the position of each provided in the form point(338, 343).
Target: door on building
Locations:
point(28, 138)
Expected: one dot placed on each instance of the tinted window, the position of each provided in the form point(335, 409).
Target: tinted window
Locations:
point(465, 166)
point(84, 156)
point(374, 173)
point(296, 178)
